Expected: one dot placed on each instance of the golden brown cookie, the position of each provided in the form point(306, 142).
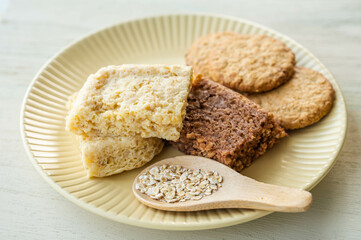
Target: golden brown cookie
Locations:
point(300, 102)
point(198, 53)
point(247, 63)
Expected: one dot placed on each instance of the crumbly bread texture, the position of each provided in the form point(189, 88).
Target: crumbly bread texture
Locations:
point(246, 63)
point(300, 102)
point(224, 125)
point(129, 100)
point(105, 156)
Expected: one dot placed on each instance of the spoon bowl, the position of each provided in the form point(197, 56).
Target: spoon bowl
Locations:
point(237, 191)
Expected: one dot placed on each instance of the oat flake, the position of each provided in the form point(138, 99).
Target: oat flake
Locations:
point(174, 183)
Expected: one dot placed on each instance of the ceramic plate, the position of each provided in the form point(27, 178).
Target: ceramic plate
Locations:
point(299, 161)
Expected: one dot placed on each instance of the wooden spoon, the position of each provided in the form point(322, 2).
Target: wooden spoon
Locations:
point(237, 191)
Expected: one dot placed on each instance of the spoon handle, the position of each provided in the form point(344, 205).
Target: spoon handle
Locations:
point(257, 195)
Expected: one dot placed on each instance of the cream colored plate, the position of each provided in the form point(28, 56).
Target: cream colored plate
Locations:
point(300, 161)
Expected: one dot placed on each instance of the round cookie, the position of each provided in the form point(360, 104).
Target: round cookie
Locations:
point(251, 63)
point(247, 63)
point(198, 53)
point(300, 102)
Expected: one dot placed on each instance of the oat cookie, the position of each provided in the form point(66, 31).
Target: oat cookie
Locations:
point(198, 53)
point(247, 63)
point(300, 102)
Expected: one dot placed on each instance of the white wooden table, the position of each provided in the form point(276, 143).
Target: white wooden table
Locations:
point(32, 31)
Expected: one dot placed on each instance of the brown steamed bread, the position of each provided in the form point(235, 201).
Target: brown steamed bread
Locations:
point(225, 126)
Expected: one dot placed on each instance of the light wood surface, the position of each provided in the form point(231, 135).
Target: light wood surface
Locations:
point(32, 31)
point(237, 191)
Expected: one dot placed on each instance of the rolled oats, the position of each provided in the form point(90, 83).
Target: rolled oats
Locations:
point(174, 183)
